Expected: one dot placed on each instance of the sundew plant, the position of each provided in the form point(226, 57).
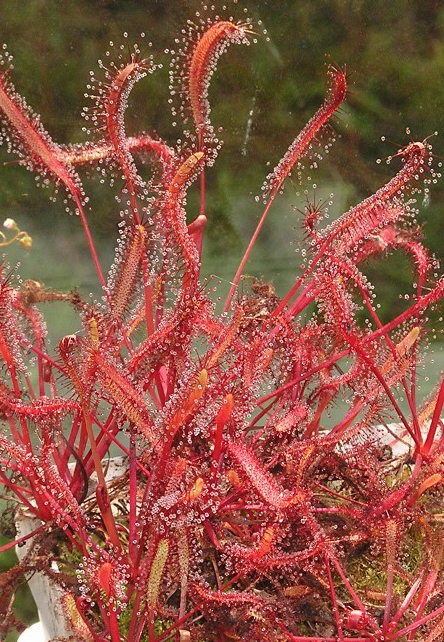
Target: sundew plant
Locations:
point(237, 515)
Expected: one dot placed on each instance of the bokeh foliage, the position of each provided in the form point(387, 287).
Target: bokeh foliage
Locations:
point(395, 56)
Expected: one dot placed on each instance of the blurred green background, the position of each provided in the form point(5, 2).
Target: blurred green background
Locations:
point(394, 54)
point(261, 96)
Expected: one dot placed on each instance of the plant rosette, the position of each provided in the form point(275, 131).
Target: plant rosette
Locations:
point(397, 446)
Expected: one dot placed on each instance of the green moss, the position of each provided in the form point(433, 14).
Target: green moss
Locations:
point(125, 619)
point(369, 571)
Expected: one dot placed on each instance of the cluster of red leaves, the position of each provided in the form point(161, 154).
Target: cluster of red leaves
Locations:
point(239, 515)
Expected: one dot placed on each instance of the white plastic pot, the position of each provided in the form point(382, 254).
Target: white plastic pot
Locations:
point(34, 633)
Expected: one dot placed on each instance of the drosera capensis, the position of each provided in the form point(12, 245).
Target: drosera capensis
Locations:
point(238, 514)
